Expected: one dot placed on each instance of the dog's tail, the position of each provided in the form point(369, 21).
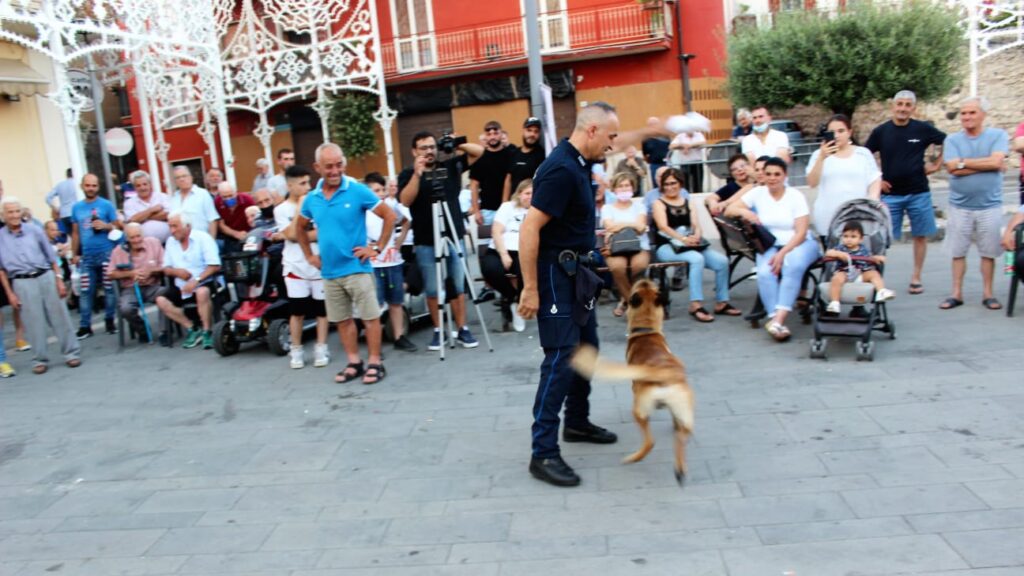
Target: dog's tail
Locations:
point(587, 363)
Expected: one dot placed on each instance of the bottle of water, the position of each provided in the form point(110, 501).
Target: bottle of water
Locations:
point(1008, 263)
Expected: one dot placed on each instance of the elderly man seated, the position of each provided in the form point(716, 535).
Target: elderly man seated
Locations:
point(192, 260)
point(232, 225)
point(140, 262)
point(147, 208)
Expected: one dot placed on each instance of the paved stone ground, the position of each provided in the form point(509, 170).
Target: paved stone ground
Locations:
point(153, 461)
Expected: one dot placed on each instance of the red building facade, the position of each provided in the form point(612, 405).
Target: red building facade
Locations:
point(455, 64)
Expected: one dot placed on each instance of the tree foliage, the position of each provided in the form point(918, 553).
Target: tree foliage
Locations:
point(352, 125)
point(863, 55)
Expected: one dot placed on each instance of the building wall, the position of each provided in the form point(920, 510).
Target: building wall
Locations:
point(23, 167)
point(470, 120)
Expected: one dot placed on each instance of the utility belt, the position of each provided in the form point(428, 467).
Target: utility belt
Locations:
point(569, 260)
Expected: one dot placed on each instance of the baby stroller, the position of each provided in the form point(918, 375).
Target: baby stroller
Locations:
point(866, 315)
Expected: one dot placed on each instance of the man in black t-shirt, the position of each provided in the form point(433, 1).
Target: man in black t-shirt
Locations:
point(525, 161)
point(487, 176)
point(655, 150)
point(416, 187)
point(901, 144)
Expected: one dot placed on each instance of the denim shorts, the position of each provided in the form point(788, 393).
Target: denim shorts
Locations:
point(425, 262)
point(389, 285)
point(918, 207)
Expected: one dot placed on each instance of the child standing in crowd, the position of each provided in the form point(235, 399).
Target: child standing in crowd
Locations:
point(302, 279)
point(388, 264)
point(852, 245)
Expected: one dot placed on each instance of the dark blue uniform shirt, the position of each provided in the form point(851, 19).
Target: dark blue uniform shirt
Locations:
point(561, 189)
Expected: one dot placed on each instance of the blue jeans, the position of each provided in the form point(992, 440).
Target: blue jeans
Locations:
point(3, 350)
point(425, 261)
point(95, 266)
point(488, 216)
point(698, 260)
point(780, 294)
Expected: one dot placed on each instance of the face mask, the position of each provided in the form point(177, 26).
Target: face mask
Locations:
point(761, 129)
point(267, 212)
point(231, 202)
point(624, 196)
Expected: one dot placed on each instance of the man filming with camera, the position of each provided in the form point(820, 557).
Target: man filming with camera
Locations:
point(430, 180)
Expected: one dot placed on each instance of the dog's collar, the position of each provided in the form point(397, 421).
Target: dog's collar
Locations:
point(641, 330)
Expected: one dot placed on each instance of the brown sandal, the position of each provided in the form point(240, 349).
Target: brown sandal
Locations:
point(728, 310)
point(702, 315)
point(40, 369)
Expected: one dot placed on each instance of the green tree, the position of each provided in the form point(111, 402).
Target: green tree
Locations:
point(863, 55)
point(352, 125)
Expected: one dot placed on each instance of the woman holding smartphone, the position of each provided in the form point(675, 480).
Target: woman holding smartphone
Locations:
point(842, 172)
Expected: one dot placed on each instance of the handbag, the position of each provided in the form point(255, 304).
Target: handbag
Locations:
point(625, 242)
point(679, 247)
point(760, 238)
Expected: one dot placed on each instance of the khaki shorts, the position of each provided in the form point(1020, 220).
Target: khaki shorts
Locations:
point(979, 227)
point(355, 294)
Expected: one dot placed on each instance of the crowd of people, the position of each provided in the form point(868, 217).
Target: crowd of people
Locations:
point(351, 250)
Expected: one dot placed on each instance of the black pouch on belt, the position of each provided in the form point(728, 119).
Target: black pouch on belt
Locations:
point(588, 287)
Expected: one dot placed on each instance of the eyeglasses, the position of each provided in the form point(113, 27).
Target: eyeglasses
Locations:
point(493, 130)
point(426, 148)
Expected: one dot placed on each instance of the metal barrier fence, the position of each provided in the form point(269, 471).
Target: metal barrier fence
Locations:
point(717, 156)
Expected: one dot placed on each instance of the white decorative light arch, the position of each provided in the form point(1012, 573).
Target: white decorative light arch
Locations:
point(299, 49)
point(993, 26)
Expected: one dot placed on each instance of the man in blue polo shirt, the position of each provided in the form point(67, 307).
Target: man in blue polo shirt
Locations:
point(93, 219)
point(338, 206)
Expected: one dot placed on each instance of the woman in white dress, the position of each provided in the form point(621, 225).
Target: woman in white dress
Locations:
point(842, 172)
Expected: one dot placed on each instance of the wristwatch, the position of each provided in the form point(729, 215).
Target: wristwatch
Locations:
point(961, 164)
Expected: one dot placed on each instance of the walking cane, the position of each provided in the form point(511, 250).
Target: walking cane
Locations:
point(142, 312)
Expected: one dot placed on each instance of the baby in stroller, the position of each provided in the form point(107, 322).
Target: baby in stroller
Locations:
point(853, 260)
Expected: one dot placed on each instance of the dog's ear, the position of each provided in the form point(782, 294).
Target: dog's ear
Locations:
point(661, 300)
point(636, 300)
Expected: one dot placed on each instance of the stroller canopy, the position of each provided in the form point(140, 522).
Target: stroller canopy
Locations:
point(873, 217)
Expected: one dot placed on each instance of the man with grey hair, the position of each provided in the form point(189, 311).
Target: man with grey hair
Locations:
point(743, 124)
point(338, 207)
point(233, 227)
point(147, 207)
point(192, 260)
point(901, 145)
point(194, 201)
point(139, 261)
point(30, 276)
point(262, 174)
point(975, 158)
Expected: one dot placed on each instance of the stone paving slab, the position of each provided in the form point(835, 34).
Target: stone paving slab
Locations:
point(157, 462)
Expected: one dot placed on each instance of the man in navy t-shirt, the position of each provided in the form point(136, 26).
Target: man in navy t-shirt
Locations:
point(901, 144)
point(92, 221)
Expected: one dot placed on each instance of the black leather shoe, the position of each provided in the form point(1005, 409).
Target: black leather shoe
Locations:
point(590, 433)
point(553, 471)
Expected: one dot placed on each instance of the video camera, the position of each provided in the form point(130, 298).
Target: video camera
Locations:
point(449, 143)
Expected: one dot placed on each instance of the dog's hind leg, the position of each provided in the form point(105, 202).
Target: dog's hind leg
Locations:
point(681, 436)
point(644, 422)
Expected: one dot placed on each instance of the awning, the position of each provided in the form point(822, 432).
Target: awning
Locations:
point(19, 79)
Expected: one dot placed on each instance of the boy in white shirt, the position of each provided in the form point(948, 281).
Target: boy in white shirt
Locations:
point(388, 265)
point(302, 280)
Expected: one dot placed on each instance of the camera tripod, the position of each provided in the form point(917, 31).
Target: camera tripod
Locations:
point(446, 247)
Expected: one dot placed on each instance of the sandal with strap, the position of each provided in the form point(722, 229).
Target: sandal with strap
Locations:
point(728, 309)
point(620, 310)
point(779, 332)
point(702, 315)
point(375, 371)
point(345, 376)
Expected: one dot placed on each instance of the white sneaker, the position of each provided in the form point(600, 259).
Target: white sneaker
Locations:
point(833, 307)
point(518, 322)
point(884, 295)
point(297, 360)
point(320, 356)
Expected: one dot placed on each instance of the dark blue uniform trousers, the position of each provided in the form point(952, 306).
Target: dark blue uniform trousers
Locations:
point(559, 383)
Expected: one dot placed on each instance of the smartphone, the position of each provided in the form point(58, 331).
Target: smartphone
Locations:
point(829, 136)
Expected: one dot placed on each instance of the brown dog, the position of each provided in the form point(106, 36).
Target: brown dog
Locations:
point(659, 377)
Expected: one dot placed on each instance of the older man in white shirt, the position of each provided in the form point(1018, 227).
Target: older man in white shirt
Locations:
point(191, 258)
point(148, 208)
point(194, 201)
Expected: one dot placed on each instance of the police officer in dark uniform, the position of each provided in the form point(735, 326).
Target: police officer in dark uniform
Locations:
point(555, 242)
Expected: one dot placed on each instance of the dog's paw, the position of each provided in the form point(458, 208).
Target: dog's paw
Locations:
point(680, 477)
point(632, 458)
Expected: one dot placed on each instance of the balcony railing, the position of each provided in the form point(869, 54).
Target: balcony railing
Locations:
point(560, 31)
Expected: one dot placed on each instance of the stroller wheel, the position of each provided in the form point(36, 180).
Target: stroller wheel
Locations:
point(866, 351)
point(892, 330)
point(819, 349)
